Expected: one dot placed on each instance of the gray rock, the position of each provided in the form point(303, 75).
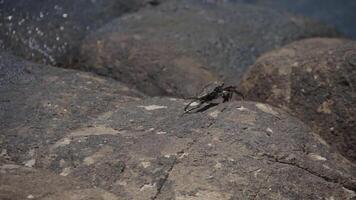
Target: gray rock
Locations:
point(315, 80)
point(108, 144)
point(50, 31)
point(18, 183)
point(149, 150)
point(40, 103)
point(179, 46)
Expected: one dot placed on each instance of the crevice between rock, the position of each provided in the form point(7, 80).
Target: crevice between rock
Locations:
point(345, 183)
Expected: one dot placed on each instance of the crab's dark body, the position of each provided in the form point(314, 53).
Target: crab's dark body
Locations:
point(211, 92)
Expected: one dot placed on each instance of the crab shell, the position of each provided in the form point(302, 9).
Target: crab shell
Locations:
point(210, 89)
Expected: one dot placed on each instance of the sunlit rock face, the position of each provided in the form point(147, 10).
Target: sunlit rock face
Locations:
point(314, 79)
point(50, 31)
point(174, 48)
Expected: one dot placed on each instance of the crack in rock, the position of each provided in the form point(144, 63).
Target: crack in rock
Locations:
point(165, 178)
point(345, 183)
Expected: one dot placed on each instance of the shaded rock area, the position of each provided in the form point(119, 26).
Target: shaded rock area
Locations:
point(179, 46)
point(341, 15)
point(51, 31)
point(39, 103)
point(315, 79)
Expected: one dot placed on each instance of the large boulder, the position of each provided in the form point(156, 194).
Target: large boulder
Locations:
point(179, 46)
point(314, 79)
point(149, 150)
point(340, 14)
point(51, 31)
point(39, 103)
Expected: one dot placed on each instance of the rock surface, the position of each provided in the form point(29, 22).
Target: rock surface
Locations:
point(18, 183)
point(179, 46)
point(341, 15)
point(51, 31)
point(39, 103)
point(148, 150)
point(315, 79)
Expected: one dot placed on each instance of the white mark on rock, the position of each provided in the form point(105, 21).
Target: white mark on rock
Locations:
point(66, 171)
point(30, 163)
point(256, 172)
point(183, 155)
point(266, 108)
point(30, 196)
point(317, 157)
point(214, 114)
point(122, 183)
point(65, 15)
point(61, 143)
point(194, 104)
point(326, 167)
point(152, 107)
point(269, 130)
point(218, 165)
point(88, 161)
point(146, 164)
point(242, 108)
point(137, 37)
point(161, 133)
point(62, 162)
point(147, 187)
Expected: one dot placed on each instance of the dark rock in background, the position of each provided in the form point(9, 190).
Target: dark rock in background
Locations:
point(168, 49)
point(50, 31)
point(39, 103)
point(314, 79)
point(341, 14)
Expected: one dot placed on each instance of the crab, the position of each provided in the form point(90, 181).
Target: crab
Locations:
point(212, 92)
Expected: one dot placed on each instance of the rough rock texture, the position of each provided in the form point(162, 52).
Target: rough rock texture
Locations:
point(340, 14)
point(314, 79)
point(38, 103)
point(18, 183)
point(178, 46)
point(51, 31)
point(149, 150)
